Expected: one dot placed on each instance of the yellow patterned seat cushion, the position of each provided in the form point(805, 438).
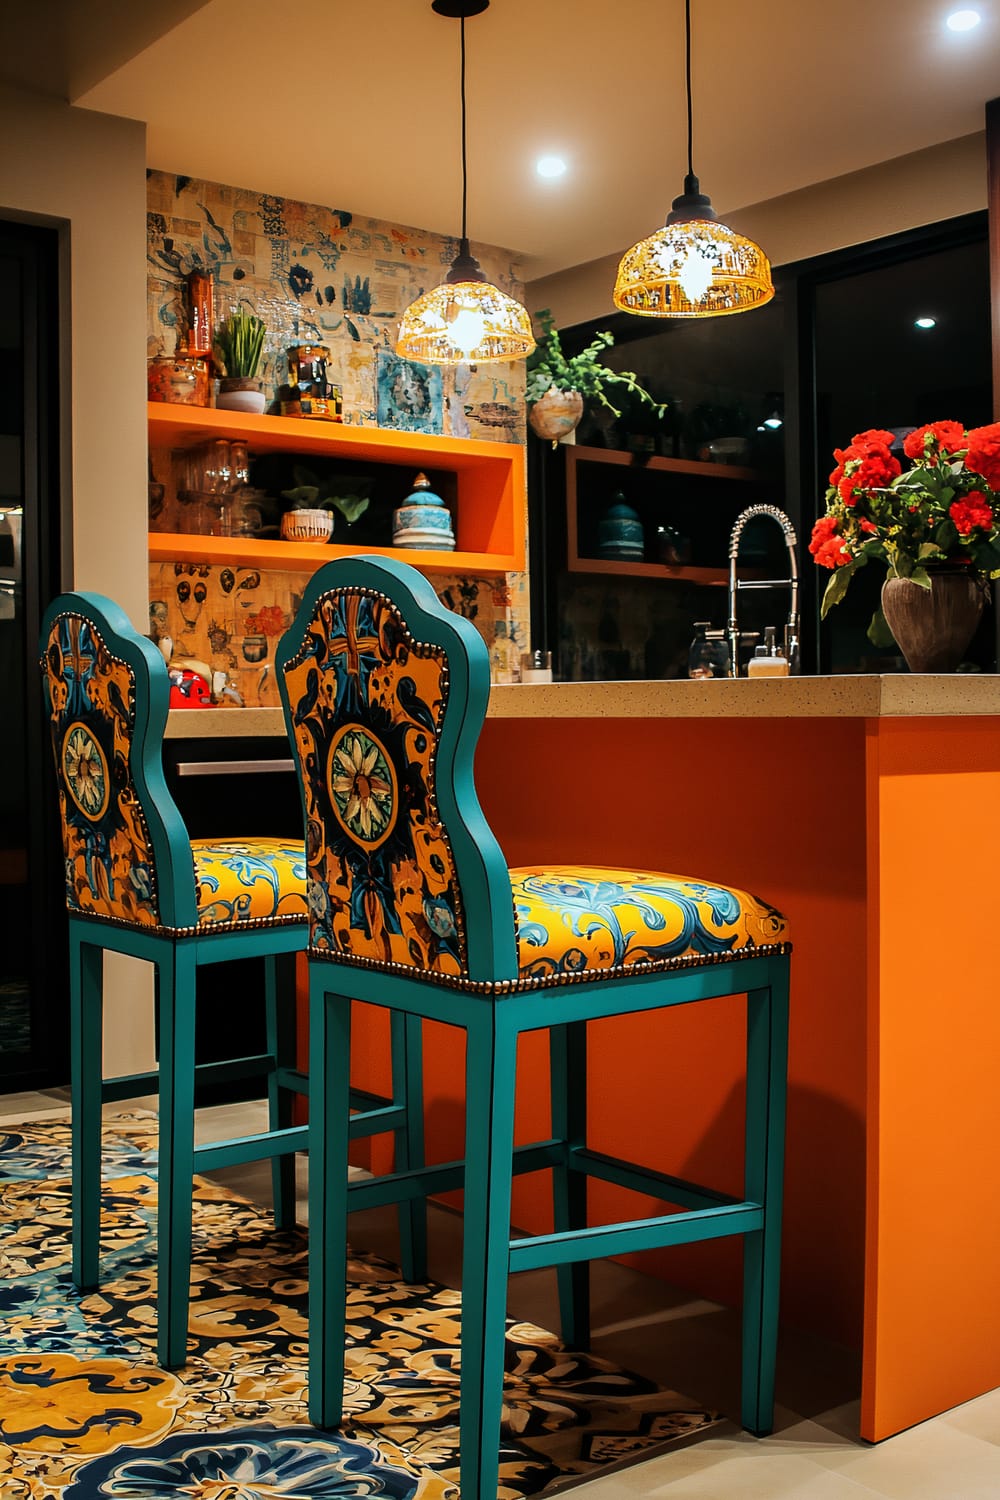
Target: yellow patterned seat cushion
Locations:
point(249, 880)
point(581, 917)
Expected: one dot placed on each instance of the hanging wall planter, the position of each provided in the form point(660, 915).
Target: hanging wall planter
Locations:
point(556, 415)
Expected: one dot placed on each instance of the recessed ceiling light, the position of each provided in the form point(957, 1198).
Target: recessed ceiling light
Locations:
point(925, 322)
point(963, 20)
point(550, 166)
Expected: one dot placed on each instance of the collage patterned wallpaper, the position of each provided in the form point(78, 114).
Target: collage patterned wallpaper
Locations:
point(315, 275)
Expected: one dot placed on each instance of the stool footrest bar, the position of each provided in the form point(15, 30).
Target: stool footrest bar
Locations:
point(645, 1234)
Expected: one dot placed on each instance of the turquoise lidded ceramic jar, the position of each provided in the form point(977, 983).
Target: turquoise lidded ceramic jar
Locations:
point(423, 520)
point(619, 533)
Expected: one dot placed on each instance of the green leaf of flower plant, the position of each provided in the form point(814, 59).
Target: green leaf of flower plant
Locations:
point(988, 557)
point(922, 577)
point(878, 631)
point(837, 587)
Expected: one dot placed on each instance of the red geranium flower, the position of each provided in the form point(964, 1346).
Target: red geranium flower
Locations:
point(974, 510)
point(925, 443)
point(874, 438)
point(983, 456)
point(827, 545)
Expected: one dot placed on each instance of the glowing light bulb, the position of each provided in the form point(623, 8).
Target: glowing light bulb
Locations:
point(467, 329)
point(925, 322)
point(696, 274)
point(963, 20)
point(550, 166)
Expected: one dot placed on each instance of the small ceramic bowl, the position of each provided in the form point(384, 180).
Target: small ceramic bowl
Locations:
point(307, 526)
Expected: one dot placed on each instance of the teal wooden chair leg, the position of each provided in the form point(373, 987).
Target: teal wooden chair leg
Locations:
point(767, 1061)
point(86, 967)
point(408, 1141)
point(279, 1011)
point(176, 1153)
point(329, 1134)
point(568, 1072)
point(491, 1056)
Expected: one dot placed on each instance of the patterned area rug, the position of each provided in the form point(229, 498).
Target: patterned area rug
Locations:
point(85, 1412)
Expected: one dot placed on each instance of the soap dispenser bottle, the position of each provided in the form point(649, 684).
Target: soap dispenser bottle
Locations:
point(768, 660)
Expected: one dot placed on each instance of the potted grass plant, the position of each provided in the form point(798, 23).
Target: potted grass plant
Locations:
point(239, 345)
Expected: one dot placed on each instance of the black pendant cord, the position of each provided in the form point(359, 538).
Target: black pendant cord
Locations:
point(465, 169)
point(692, 203)
point(687, 32)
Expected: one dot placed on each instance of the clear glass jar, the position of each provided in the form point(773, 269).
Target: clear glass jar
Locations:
point(709, 653)
point(178, 378)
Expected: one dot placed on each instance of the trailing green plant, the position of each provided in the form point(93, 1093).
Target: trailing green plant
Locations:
point(239, 341)
point(311, 492)
point(550, 369)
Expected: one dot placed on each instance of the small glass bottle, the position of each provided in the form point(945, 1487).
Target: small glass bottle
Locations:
point(709, 653)
point(505, 663)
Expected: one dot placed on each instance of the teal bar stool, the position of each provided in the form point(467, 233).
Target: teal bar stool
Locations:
point(137, 884)
point(412, 907)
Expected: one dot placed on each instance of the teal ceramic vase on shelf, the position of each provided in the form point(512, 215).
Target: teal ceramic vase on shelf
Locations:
point(423, 520)
point(619, 533)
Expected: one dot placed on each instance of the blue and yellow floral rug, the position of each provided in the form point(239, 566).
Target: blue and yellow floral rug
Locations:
point(85, 1413)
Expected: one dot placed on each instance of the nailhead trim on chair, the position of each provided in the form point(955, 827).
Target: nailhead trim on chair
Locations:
point(158, 929)
point(551, 981)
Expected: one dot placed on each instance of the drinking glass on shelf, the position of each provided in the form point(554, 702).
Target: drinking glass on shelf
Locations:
point(239, 465)
point(218, 468)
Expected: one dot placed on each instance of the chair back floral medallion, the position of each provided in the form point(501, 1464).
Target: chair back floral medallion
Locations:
point(106, 843)
point(367, 702)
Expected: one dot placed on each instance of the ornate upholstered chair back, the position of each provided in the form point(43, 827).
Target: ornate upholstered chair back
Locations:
point(123, 838)
point(385, 692)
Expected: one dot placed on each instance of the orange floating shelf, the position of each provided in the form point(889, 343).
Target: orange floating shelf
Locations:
point(490, 509)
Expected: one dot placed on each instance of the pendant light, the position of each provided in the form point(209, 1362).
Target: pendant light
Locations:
point(466, 320)
point(694, 267)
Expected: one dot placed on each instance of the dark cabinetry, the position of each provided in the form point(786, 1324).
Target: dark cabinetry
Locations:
point(691, 505)
point(608, 618)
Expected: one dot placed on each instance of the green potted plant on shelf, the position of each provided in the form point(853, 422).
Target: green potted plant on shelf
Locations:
point(239, 345)
point(559, 384)
point(308, 516)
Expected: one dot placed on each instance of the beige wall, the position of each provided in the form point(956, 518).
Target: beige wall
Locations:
point(922, 188)
point(86, 173)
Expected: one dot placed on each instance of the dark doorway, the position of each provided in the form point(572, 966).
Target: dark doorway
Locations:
point(33, 1029)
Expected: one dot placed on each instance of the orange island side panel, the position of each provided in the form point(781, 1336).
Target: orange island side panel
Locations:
point(876, 837)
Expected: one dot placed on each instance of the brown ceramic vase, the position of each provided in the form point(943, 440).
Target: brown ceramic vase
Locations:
point(933, 627)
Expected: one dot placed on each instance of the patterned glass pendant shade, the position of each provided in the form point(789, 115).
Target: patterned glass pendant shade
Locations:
point(466, 320)
point(694, 267)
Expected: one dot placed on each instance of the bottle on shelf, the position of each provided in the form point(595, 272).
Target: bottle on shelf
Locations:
point(505, 660)
point(769, 660)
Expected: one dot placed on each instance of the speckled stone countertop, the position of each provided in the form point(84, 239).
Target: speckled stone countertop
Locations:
point(866, 697)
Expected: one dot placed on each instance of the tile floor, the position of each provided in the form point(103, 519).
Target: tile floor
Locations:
point(693, 1345)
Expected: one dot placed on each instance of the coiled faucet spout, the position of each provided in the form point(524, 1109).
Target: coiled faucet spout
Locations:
point(791, 582)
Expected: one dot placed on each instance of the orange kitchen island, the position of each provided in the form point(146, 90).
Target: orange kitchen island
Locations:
point(868, 810)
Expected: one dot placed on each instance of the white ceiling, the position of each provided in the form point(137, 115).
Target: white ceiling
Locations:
point(356, 105)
